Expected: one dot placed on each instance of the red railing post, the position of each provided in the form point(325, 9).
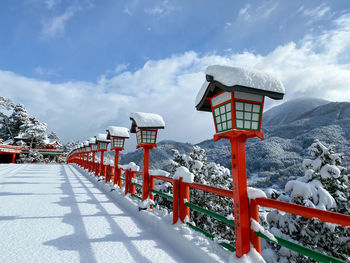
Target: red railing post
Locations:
point(175, 200)
point(131, 186)
point(127, 181)
point(120, 174)
point(151, 181)
point(184, 197)
point(107, 173)
point(254, 214)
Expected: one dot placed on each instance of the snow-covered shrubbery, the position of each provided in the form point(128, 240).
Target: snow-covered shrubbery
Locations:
point(205, 173)
point(324, 186)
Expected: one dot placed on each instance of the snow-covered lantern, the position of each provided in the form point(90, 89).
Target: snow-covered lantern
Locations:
point(146, 126)
point(235, 96)
point(102, 141)
point(117, 135)
point(93, 144)
point(87, 147)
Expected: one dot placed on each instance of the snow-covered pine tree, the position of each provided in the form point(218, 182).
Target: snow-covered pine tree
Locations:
point(324, 186)
point(6, 105)
point(34, 131)
point(53, 136)
point(18, 118)
point(210, 174)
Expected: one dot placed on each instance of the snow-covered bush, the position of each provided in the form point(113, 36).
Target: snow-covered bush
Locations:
point(210, 174)
point(324, 186)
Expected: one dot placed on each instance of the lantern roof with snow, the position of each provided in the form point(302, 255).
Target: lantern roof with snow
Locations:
point(92, 140)
point(115, 131)
point(234, 79)
point(101, 137)
point(142, 120)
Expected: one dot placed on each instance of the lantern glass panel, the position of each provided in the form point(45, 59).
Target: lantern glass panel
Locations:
point(149, 136)
point(94, 147)
point(247, 115)
point(118, 142)
point(138, 136)
point(103, 145)
point(223, 117)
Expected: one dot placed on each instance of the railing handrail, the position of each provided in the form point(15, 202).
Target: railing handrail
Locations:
point(312, 213)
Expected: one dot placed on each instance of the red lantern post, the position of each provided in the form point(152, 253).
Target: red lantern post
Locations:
point(117, 135)
point(235, 97)
point(146, 126)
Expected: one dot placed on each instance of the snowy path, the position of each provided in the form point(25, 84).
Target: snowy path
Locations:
point(52, 213)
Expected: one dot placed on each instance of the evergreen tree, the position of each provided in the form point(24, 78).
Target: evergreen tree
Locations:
point(210, 174)
point(53, 136)
point(34, 131)
point(6, 105)
point(18, 118)
point(323, 186)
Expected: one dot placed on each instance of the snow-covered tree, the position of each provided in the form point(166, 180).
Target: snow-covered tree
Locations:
point(53, 136)
point(19, 118)
point(210, 174)
point(34, 131)
point(31, 157)
point(324, 186)
point(6, 105)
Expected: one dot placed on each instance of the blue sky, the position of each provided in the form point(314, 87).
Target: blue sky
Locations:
point(97, 61)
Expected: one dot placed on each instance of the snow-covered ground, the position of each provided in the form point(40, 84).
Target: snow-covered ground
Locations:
point(59, 213)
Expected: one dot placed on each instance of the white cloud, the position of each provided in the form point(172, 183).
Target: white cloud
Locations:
point(57, 24)
point(317, 12)
point(44, 71)
point(77, 110)
point(248, 13)
point(162, 9)
point(50, 4)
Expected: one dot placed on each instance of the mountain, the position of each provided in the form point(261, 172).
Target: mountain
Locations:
point(290, 128)
point(291, 110)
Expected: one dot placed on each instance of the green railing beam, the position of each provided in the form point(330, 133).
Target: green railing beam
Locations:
point(138, 185)
point(138, 197)
point(162, 195)
point(210, 213)
point(211, 236)
point(303, 250)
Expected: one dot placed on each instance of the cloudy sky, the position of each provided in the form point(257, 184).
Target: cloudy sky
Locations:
point(82, 65)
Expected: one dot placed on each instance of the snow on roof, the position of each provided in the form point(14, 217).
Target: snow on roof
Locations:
point(86, 143)
point(147, 120)
point(92, 140)
point(116, 131)
point(234, 78)
point(102, 137)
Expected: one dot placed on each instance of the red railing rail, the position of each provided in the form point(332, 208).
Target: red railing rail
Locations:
point(182, 205)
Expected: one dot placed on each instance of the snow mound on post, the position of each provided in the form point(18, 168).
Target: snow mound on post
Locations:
point(159, 172)
point(132, 166)
point(116, 131)
point(254, 193)
point(145, 120)
point(251, 257)
point(185, 174)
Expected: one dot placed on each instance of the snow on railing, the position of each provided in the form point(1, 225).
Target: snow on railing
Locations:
point(181, 202)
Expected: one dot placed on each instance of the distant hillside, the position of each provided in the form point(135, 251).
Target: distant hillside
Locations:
point(289, 129)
